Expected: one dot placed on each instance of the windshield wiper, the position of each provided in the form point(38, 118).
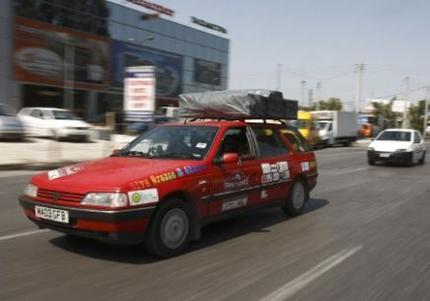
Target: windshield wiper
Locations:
point(133, 154)
point(185, 156)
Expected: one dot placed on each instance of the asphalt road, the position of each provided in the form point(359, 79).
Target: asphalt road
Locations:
point(364, 236)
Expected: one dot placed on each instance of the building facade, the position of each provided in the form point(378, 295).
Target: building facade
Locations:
point(73, 54)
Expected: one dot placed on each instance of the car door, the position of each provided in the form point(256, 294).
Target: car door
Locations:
point(418, 146)
point(232, 185)
point(275, 164)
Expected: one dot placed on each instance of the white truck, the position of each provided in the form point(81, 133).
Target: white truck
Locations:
point(336, 127)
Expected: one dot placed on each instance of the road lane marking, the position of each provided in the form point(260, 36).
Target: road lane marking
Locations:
point(23, 234)
point(292, 287)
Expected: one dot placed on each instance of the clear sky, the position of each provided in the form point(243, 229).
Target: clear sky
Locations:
point(321, 40)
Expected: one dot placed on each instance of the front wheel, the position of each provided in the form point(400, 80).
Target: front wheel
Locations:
point(297, 199)
point(169, 233)
point(371, 162)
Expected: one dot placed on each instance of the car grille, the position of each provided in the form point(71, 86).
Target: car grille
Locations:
point(59, 195)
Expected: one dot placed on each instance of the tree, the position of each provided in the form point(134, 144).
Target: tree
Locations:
point(416, 114)
point(383, 114)
point(331, 104)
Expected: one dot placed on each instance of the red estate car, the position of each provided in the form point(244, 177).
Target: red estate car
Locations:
point(169, 182)
point(174, 179)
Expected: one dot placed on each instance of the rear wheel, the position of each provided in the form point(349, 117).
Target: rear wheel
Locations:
point(169, 233)
point(297, 199)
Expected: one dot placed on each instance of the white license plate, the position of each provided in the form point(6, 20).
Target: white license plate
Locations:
point(52, 214)
point(384, 155)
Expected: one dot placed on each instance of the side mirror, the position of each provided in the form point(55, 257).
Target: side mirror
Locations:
point(230, 158)
point(227, 158)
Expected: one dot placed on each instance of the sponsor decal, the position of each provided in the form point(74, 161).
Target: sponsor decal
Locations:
point(234, 203)
point(236, 181)
point(265, 168)
point(189, 170)
point(264, 194)
point(274, 172)
point(64, 171)
point(140, 197)
point(305, 166)
point(179, 172)
point(165, 177)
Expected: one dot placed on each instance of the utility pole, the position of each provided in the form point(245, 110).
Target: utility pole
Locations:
point(278, 77)
point(318, 95)
point(405, 107)
point(302, 100)
point(359, 68)
point(310, 97)
point(426, 106)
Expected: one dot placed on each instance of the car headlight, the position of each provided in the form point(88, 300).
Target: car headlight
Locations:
point(113, 200)
point(30, 190)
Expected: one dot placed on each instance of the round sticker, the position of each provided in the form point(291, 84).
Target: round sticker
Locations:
point(135, 197)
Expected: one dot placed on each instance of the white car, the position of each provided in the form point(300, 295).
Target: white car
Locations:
point(397, 145)
point(53, 122)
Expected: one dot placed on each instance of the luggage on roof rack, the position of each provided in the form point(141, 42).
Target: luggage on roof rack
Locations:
point(237, 104)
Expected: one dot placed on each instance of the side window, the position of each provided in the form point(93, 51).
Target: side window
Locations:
point(235, 141)
point(36, 114)
point(269, 142)
point(294, 141)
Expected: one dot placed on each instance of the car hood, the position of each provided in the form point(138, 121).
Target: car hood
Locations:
point(389, 146)
point(110, 174)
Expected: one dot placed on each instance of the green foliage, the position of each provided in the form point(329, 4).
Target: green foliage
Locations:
point(331, 104)
point(384, 112)
point(416, 114)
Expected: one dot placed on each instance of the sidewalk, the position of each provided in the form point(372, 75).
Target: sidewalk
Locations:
point(37, 153)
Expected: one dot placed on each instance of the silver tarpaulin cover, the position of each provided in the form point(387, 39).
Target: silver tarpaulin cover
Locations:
point(237, 104)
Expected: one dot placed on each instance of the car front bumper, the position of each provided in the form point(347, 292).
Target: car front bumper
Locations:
point(395, 157)
point(114, 227)
point(73, 133)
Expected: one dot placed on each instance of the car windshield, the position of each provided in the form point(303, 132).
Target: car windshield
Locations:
point(64, 115)
point(181, 142)
point(5, 111)
point(395, 136)
point(300, 123)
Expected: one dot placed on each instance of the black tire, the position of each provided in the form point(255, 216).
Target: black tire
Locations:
point(371, 162)
point(156, 241)
point(423, 159)
point(293, 207)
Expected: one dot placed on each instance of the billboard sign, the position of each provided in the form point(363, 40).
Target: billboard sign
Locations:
point(399, 106)
point(168, 66)
point(208, 25)
point(139, 5)
point(139, 89)
point(40, 55)
point(207, 72)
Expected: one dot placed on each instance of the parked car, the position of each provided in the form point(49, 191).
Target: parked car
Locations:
point(10, 126)
point(397, 145)
point(175, 178)
point(54, 123)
